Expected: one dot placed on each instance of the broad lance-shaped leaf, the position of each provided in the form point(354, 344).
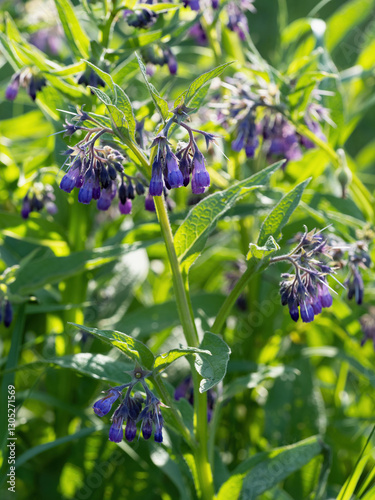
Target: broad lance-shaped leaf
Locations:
point(280, 215)
point(77, 38)
point(263, 471)
point(213, 366)
point(260, 252)
point(106, 77)
point(97, 366)
point(160, 104)
point(46, 270)
point(119, 108)
point(191, 236)
point(203, 80)
point(164, 360)
point(131, 347)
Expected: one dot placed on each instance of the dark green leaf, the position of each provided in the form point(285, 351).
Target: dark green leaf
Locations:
point(212, 367)
point(132, 348)
point(191, 236)
point(280, 215)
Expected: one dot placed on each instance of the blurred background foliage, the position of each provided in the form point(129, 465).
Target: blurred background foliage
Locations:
point(110, 271)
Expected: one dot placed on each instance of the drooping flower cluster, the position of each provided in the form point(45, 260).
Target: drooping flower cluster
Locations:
point(140, 18)
point(237, 20)
point(186, 390)
point(28, 79)
point(159, 54)
point(306, 292)
point(358, 258)
point(97, 171)
point(132, 410)
point(355, 258)
point(39, 196)
point(173, 170)
point(6, 312)
point(255, 116)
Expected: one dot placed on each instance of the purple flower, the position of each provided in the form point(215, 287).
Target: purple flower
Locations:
point(200, 178)
point(125, 208)
point(69, 181)
point(26, 207)
point(104, 405)
point(175, 178)
point(156, 183)
point(307, 312)
point(293, 310)
point(149, 203)
point(130, 430)
point(86, 191)
point(12, 89)
point(324, 295)
point(116, 433)
point(355, 285)
point(8, 314)
point(193, 4)
point(107, 196)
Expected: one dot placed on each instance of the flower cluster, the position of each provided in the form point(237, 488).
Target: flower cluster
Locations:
point(358, 258)
point(97, 171)
point(237, 20)
point(132, 410)
point(140, 18)
point(186, 390)
point(355, 257)
point(27, 79)
point(90, 78)
point(6, 312)
point(39, 196)
point(257, 116)
point(306, 291)
point(159, 54)
point(172, 170)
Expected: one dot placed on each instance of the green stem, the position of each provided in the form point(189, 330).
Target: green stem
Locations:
point(204, 472)
point(229, 302)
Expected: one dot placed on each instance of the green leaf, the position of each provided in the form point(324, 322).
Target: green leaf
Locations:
point(159, 7)
point(124, 105)
point(160, 104)
point(347, 18)
point(162, 361)
point(77, 38)
point(253, 476)
point(255, 378)
point(280, 215)
point(213, 366)
point(191, 236)
point(102, 96)
point(131, 347)
point(47, 270)
point(41, 448)
point(196, 85)
point(119, 109)
point(106, 77)
point(97, 366)
point(260, 252)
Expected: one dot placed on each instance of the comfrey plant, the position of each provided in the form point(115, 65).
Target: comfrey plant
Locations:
point(306, 292)
point(27, 78)
point(257, 115)
point(131, 410)
point(39, 196)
